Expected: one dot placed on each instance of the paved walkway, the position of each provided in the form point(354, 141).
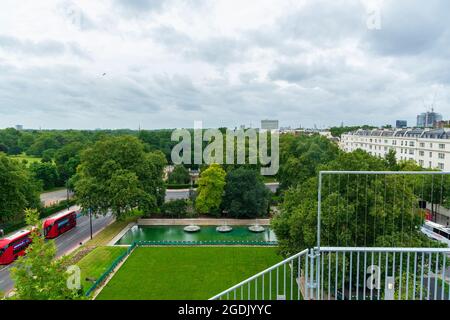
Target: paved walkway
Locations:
point(202, 222)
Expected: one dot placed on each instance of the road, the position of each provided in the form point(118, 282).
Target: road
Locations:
point(184, 193)
point(64, 243)
point(49, 198)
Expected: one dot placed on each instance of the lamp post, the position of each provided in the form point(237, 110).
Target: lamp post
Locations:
point(90, 220)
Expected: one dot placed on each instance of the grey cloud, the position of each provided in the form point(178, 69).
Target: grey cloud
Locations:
point(409, 27)
point(41, 48)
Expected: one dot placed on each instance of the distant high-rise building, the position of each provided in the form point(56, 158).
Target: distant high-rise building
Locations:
point(401, 124)
point(269, 124)
point(19, 127)
point(428, 119)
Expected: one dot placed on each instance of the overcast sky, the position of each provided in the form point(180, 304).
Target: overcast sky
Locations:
point(163, 64)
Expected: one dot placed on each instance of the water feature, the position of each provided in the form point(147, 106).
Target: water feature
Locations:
point(207, 233)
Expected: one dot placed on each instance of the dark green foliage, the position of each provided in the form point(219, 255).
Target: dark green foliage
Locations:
point(46, 173)
point(117, 174)
point(179, 175)
point(246, 195)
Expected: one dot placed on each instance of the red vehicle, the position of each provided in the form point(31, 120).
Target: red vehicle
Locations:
point(14, 246)
point(57, 225)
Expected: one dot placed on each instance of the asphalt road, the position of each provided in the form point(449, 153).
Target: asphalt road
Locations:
point(65, 243)
point(184, 193)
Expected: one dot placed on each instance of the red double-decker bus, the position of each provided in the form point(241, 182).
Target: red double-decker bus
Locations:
point(57, 225)
point(14, 246)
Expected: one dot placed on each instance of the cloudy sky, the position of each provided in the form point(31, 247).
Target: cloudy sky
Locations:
point(157, 64)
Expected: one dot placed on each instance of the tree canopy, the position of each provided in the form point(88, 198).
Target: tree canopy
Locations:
point(116, 173)
point(210, 190)
point(246, 195)
point(18, 189)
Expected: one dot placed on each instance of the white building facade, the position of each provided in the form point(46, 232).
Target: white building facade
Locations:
point(429, 148)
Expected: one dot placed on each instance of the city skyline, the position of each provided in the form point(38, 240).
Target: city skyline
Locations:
point(164, 64)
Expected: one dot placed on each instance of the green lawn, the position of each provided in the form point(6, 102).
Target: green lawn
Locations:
point(188, 272)
point(94, 264)
point(29, 159)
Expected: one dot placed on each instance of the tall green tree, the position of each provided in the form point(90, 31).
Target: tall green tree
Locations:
point(46, 173)
point(210, 190)
point(38, 275)
point(117, 174)
point(357, 210)
point(246, 195)
point(18, 189)
point(179, 175)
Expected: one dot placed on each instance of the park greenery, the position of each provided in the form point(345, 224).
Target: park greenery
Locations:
point(116, 174)
point(210, 190)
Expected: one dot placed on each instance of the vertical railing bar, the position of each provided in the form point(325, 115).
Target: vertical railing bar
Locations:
point(306, 276)
point(311, 276)
point(343, 275)
point(443, 276)
point(249, 297)
point(242, 292)
point(378, 289)
point(278, 288)
point(299, 278)
point(292, 281)
point(263, 287)
point(436, 276)
point(386, 272)
point(371, 287)
point(351, 275)
point(393, 269)
point(284, 280)
point(429, 275)
point(415, 276)
point(365, 276)
point(357, 276)
point(336, 276)
point(256, 289)
point(407, 276)
point(401, 277)
point(329, 276)
point(322, 277)
point(421, 276)
point(270, 284)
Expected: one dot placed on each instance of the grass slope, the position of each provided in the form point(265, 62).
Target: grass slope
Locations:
point(186, 272)
point(94, 264)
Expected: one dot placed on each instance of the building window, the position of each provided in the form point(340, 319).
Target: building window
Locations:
point(431, 154)
point(411, 151)
point(431, 145)
point(422, 145)
point(421, 163)
point(441, 155)
point(421, 153)
point(442, 146)
point(441, 166)
point(411, 143)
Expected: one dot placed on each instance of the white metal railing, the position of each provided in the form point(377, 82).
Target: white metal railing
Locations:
point(338, 273)
point(279, 282)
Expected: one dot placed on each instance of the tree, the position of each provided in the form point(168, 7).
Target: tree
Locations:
point(46, 173)
point(38, 275)
point(179, 175)
point(385, 215)
point(117, 174)
point(67, 160)
point(300, 157)
point(175, 208)
point(210, 190)
point(246, 195)
point(18, 189)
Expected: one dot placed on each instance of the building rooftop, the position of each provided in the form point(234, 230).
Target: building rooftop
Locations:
point(410, 132)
